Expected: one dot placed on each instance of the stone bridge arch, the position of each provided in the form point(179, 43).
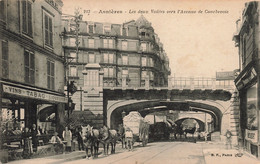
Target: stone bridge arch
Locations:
point(115, 109)
point(198, 120)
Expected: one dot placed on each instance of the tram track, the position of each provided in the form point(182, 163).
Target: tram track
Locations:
point(145, 150)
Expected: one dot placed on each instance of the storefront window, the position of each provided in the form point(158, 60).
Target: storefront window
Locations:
point(251, 108)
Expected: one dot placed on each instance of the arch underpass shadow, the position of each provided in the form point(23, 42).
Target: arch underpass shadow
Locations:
point(145, 107)
point(200, 122)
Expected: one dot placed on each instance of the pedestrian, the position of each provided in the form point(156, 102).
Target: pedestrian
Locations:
point(80, 138)
point(57, 143)
point(35, 133)
point(129, 138)
point(67, 136)
point(27, 143)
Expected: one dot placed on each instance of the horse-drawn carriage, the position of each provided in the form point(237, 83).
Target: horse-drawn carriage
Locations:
point(138, 125)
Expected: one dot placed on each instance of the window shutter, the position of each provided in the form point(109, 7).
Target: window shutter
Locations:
point(50, 31)
point(29, 18)
point(46, 29)
point(24, 17)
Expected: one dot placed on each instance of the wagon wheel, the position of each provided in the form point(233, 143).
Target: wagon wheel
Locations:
point(145, 138)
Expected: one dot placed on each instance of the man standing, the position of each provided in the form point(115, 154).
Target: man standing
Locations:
point(67, 136)
point(129, 138)
point(35, 133)
point(80, 138)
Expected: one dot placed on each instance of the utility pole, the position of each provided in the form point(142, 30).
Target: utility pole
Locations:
point(70, 85)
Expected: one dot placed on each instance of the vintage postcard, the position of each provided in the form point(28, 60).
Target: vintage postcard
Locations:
point(129, 82)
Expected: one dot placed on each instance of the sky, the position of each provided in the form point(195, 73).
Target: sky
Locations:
point(197, 43)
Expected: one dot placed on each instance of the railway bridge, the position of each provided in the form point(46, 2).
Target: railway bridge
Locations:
point(106, 104)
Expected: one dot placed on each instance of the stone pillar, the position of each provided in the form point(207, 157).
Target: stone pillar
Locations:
point(213, 83)
point(124, 78)
point(169, 82)
point(192, 83)
point(234, 120)
point(147, 82)
point(93, 94)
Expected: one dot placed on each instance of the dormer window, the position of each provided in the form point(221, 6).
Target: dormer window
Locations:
point(107, 29)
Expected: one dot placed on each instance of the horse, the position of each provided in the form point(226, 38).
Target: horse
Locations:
point(191, 131)
point(91, 140)
point(121, 135)
point(107, 137)
point(177, 129)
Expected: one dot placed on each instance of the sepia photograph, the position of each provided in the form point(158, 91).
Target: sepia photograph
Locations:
point(129, 82)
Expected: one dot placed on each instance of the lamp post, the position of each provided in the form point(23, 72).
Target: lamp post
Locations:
point(70, 85)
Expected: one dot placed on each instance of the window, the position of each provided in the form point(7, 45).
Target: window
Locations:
point(50, 74)
point(72, 42)
point(91, 43)
point(108, 43)
point(125, 59)
point(151, 62)
point(26, 19)
point(143, 47)
point(111, 58)
point(73, 57)
point(151, 75)
point(107, 29)
point(124, 45)
point(91, 29)
point(105, 55)
point(29, 67)
point(91, 58)
point(93, 78)
point(109, 72)
point(144, 61)
point(124, 31)
point(48, 32)
point(125, 72)
point(108, 58)
point(144, 74)
point(2, 10)
point(5, 56)
point(73, 71)
point(105, 72)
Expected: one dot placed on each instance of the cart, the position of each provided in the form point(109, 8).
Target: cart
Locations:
point(138, 125)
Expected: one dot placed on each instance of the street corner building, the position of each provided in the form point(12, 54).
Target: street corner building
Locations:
point(32, 68)
point(107, 55)
point(248, 80)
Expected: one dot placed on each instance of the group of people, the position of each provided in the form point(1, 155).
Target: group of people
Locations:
point(64, 144)
point(30, 141)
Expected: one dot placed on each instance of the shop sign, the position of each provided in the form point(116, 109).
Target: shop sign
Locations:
point(251, 135)
point(33, 94)
point(225, 75)
point(246, 78)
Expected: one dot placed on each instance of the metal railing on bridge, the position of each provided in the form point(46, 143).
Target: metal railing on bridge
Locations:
point(199, 83)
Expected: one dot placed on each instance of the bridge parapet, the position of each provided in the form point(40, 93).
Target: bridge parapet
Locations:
point(200, 83)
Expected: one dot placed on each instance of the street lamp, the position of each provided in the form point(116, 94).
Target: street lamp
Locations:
point(71, 88)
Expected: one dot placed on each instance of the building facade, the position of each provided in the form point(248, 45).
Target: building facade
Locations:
point(131, 50)
point(248, 80)
point(32, 67)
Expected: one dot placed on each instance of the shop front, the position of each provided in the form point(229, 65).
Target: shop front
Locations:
point(22, 106)
point(248, 86)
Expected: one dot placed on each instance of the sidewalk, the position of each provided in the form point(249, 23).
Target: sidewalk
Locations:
point(216, 152)
point(55, 159)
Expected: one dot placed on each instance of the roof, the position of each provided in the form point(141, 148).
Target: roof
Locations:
point(143, 22)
